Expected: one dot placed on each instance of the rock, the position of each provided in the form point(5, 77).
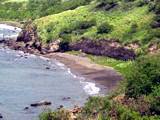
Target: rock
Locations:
point(47, 68)
point(54, 46)
point(26, 108)
point(76, 110)
point(1, 115)
point(60, 107)
point(66, 98)
point(119, 98)
point(41, 103)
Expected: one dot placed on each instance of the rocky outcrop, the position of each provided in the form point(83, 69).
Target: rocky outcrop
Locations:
point(109, 48)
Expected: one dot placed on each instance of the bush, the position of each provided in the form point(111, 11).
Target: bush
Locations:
point(145, 75)
point(86, 24)
point(107, 1)
point(141, 3)
point(61, 114)
point(155, 100)
point(104, 28)
point(133, 28)
point(94, 106)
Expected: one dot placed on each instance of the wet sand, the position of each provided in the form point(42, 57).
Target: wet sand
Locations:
point(83, 66)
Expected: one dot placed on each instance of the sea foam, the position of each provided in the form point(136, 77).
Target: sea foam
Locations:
point(89, 87)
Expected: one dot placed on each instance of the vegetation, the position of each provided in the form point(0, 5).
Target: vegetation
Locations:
point(32, 9)
point(141, 101)
point(129, 22)
point(119, 24)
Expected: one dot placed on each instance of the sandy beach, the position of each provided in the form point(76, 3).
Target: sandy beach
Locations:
point(84, 67)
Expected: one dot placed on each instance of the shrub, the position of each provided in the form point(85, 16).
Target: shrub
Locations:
point(104, 28)
point(86, 24)
point(133, 28)
point(95, 105)
point(61, 114)
point(141, 3)
point(107, 1)
point(106, 4)
point(124, 113)
point(145, 75)
point(155, 102)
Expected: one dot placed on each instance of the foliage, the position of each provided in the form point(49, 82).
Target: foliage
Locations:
point(144, 76)
point(155, 100)
point(61, 114)
point(32, 9)
point(104, 28)
point(120, 21)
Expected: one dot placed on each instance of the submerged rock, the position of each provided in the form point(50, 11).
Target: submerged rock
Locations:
point(48, 68)
point(26, 108)
point(1, 116)
point(66, 98)
point(41, 103)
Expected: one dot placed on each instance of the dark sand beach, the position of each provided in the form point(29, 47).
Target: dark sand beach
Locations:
point(83, 66)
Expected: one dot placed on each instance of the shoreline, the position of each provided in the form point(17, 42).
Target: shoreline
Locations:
point(83, 66)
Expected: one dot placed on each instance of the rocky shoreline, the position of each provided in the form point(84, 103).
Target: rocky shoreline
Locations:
point(29, 42)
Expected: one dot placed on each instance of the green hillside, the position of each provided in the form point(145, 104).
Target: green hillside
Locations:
point(127, 25)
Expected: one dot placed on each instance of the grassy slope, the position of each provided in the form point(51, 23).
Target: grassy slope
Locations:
point(120, 20)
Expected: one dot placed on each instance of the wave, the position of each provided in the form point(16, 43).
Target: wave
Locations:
point(89, 87)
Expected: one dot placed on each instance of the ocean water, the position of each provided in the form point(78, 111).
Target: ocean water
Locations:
point(24, 79)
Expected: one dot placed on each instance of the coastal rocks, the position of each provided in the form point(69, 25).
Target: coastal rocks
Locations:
point(28, 33)
point(109, 48)
point(41, 103)
point(54, 46)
